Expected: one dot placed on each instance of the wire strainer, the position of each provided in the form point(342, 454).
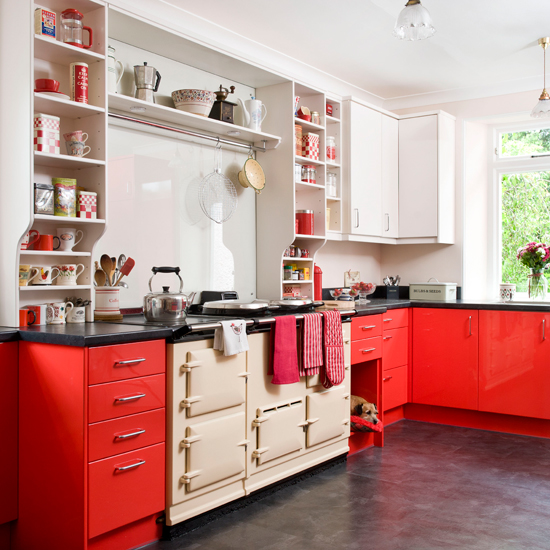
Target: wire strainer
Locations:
point(217, 194)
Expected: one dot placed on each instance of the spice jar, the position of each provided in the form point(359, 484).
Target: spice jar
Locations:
point(305, 222)
point(298, 139)
point(297, 173)
point(43, 198)
point(315, 117)
point(331, 148)
point(309, 173)
point(287, 272)
point(331, 184)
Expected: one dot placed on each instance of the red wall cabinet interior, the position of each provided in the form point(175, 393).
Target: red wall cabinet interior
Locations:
point(445, 357)
point(514, 363)
point(8, 431)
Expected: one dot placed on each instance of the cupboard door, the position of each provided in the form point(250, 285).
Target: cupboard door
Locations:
point(365, 170)
point(445, 357)
point(327, 415)
point(513, 363)
point(395, 348)
point(215, 451)
point(395, 318)
point(125, 488)
point(394, 388)
point(366, 350)
point(366, 327)
point(279, 430)
point(418, 183)
point(214, 381)
point(390, 177)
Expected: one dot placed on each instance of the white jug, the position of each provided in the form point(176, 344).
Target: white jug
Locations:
point(115, 71)
point(252, 113)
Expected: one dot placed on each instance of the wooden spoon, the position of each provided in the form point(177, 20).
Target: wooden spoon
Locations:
point(112, 274)
point(100, 278)
point(106, 265)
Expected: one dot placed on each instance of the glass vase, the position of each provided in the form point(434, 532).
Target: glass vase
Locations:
point(362, 298)
point(538, 285)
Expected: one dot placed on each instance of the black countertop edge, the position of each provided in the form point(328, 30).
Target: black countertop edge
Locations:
point(91, 334)
point(8, 334)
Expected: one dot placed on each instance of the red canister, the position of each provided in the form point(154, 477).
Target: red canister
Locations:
point(318, 283)
point(305, 222)
point(329, 109)
point(79, 82)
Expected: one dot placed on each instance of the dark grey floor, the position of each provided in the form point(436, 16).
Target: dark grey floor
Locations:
point(430, 487)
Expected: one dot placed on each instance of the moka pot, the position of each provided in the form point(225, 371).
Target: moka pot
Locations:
point(146, 85)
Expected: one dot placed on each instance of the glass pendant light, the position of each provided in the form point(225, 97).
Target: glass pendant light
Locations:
point(542, 108)
point(414, 22)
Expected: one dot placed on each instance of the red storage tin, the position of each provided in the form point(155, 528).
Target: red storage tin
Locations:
point(305, 222)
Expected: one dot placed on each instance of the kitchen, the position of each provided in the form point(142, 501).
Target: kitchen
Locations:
point(151, 173)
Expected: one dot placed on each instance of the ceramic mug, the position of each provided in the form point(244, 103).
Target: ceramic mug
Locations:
point(26, 317)
point(69, 273)
point(77, 148)
point(77, 135)
point(46, 242)
point(29, 239)
point(68, 238)
point(24, 274)
point(507, 292)
point(39, 314)
point(43, 275)
point(76, 315)
point(56, 312)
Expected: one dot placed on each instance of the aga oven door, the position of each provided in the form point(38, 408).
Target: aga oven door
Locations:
point(214, 381)
point(327, 415)
point(215, 450)
point(279, 430)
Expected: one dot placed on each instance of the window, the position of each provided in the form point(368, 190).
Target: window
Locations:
point(523, 169)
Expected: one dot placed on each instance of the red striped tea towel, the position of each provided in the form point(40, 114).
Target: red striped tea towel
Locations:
point(312, 344)
point(284, 357)
point(333, 372)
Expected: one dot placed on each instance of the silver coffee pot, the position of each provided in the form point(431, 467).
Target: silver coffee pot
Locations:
point(146, 85)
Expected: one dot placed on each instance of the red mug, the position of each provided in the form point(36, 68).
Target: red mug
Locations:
point(45, 242)
point(29, 239)
point(26, 317)
point(46, 84)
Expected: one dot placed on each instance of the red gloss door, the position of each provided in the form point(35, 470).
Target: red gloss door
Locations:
point(445, 357)
point(514, 364)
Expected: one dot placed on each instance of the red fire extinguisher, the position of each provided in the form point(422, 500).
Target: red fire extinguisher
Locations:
point(318, 283)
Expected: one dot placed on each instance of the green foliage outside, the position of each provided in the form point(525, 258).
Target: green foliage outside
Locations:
point(525, 204)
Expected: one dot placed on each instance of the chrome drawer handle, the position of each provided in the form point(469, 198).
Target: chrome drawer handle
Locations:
point(387, 337)
point(130, 397)
point(128, 362)
point(388, 378)
point(367, 350)
point(125, 436)
point(387, 320)
point(123, 468)
point(367, 328)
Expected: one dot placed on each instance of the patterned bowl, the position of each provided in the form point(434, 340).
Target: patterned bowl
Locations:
point(198, 102)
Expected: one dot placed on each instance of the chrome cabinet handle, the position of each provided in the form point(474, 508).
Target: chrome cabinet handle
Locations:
point(367, 350)
point(388, 222)
point(125, 436)
point(128, 362)
point(123, 468)
point(130, 397)
point(387, 337)
point(470, 320)
point(387, 320)
point(356, 217)
point(387, 378)
point(543, 330)
point(367, 328)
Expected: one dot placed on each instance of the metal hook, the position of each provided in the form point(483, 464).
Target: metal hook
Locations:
point(250, 153)
point(218, 144)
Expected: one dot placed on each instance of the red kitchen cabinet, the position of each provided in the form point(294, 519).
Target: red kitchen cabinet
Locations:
point(8, 432)
point(72, 490)
point(395, 318)
point(445, 357)
point(366, 327)
point(395, 348)
point(366, 350)
point(394, 388)
point(514, 353)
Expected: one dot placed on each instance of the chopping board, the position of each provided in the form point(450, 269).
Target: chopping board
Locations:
point(336, 304)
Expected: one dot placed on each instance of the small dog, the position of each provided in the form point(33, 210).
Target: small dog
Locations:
point(361, 407)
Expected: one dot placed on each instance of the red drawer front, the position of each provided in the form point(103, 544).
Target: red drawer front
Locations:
point(395, 348)
point(111, 363)
point(366, 327)
point(395, 318)
point(394, 388)
point(126, 397)
point(117, 497)
point(121, 435)
point(366, 350)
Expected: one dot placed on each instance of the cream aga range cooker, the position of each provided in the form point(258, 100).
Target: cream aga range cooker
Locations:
point(230, 431)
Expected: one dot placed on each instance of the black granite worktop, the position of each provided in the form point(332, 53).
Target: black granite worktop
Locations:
point(8, 334)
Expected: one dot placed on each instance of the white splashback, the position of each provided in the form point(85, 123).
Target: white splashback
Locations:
point(155, 217)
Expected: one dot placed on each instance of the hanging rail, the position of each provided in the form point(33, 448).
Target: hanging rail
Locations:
point(190, 133)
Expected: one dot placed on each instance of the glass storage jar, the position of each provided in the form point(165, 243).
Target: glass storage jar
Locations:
point(331, 148)
point(331, 184)
point(309, 173)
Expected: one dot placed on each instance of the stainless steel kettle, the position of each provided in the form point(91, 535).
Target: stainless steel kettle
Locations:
point(167, 307)
point(146, 85)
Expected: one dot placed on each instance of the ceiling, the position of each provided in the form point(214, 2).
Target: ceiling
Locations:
point(476, 46)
